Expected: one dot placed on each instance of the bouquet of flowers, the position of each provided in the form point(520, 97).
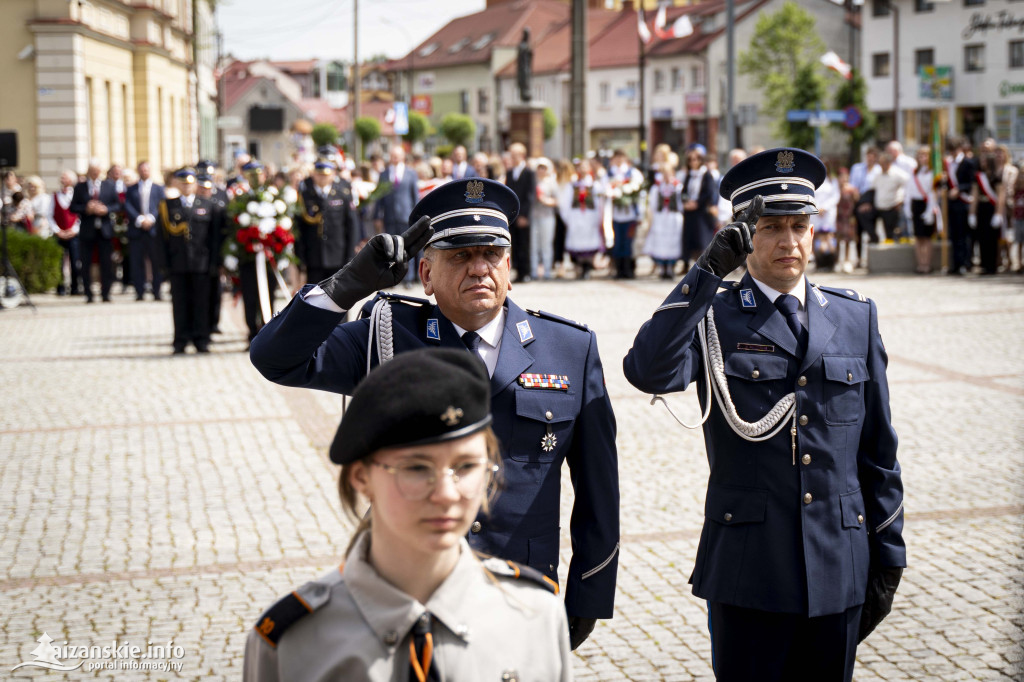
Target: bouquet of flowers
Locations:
point(624, 192)
point(262, 224)
point(583, 193)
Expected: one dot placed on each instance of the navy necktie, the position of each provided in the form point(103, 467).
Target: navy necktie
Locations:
point(421, 652)
point(472, 341)
point(788, 305)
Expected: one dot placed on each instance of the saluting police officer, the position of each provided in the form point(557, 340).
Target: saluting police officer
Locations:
point(328, 223)
point(191, 228)
point(412, 601)
point(802, 546)
point(547, 384)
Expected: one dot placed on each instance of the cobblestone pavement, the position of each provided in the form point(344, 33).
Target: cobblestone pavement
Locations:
point(150, 499)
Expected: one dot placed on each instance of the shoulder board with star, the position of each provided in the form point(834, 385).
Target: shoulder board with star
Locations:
point(510, 569)
point(730, 285)
point(845, 293)
point(555, 318)
point(295, 606)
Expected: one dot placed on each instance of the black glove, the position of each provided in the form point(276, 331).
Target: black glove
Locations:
point(579, 630)
point(882, 584)
point(382, 263)
point(729, 247)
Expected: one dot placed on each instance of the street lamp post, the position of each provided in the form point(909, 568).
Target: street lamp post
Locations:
point(897, 115)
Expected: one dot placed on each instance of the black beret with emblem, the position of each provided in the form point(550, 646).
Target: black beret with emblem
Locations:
point(470, 212)
point(420, 397)
point(786, 177)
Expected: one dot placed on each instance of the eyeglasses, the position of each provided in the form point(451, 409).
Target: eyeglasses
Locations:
point(417, 481)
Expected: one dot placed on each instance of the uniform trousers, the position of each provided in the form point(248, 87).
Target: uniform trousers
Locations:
point(988, 238)
point(190, 305)
point(144, 247)
point(105, 247)
point(216, 293)
point(748, 644)
point(959, 235)
point(70, 247)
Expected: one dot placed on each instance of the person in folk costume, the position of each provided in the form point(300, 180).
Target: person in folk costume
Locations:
point(986, 214)
point(923, 209)
point(700, 204)
point(1009, 181)
point(625, 212)
point(412, 600)
point(584, 234)
point(664, 241)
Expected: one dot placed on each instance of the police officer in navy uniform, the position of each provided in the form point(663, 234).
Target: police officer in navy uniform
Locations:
point(191, 227)
point(802, 545)
point(547, 384)
point(207, 189)
point(328, 223)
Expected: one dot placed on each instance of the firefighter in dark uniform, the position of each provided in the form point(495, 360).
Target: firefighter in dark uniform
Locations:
point(207, 189)
point(328, 222)
point(802, 546)
point(191, 228)
point(548, 393)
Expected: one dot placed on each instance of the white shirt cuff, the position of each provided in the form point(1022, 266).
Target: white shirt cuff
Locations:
point(319, 299)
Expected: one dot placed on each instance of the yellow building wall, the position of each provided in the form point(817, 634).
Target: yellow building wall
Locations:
point(162, 109)
point(18, 82)
point(107, 72)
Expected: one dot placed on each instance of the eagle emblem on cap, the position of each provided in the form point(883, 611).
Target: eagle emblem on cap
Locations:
point(474, 192)
point(784, 162)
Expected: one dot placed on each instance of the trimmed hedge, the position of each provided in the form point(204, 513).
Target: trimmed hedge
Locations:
point(36, 260)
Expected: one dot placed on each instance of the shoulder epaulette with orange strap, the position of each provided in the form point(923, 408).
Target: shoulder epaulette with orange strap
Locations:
point(510, 569)
point(293, 607)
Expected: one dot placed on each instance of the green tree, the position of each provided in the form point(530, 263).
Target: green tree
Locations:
point(458, 128)
point(419, 127)
point(368, 130)
point(324, 133)
point(854, 93)
point(550, 123)
point(808, 93)
point(783, 42)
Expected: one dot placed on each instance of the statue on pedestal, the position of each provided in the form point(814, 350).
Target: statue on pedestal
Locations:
point(524, 67)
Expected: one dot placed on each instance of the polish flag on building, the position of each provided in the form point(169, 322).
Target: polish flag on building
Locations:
point(641, 27)
point(681, 27)
point(832, 61)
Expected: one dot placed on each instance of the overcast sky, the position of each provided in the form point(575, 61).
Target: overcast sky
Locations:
point(322, 29)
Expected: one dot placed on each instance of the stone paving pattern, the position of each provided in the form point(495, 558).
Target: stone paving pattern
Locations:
point(152, 498)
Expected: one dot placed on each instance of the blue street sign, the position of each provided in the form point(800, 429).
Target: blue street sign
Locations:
point(853, 117)
point(401, 124)
point(830, 115)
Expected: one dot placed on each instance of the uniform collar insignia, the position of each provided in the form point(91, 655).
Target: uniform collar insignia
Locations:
point(525, 333)
point(822, 301)
point(433, 329)
point(747, 298)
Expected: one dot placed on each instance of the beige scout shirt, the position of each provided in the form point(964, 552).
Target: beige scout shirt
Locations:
point(484, 628)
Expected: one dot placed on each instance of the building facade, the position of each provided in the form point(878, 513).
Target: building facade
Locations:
point(107, 80)
point(961, 62)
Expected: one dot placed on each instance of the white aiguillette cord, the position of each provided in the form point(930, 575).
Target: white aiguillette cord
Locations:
point(714, 365)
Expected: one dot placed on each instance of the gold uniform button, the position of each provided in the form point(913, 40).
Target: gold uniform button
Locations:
point(803, 420)
point(860, 518)
point(808, 498)
point(755, 374)
point(686, 288)
point(849, 376)
point(728, 516)
point(548, 415)
point(806, 459)
point(475, 527)
point(802, 381)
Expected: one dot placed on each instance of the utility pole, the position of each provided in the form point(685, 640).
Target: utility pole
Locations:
point(730, 77)
point(356, 142)
point(643, 120)
point(897, 115)
point(578, 89)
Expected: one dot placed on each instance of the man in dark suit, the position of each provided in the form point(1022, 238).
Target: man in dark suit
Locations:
point(328, 224)
point(548, 395)
point(190, 227)
point(461, 168)
point(521, 179)
point(392, 211)
point(142, 201)
point(802, 546)
point(96, 202)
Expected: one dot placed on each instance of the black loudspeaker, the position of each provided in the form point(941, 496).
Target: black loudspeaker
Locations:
point(8, 148)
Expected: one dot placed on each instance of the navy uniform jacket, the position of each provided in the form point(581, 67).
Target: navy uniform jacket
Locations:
point(328, 226)
point(777, 536)
point(306, 346)
point(191, 235)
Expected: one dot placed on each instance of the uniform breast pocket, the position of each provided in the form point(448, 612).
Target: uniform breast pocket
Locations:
point(543, 426)
point(844, 388)
point(757, 382)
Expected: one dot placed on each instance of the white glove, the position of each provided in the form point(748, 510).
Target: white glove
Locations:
point(928, 218)
point(972, 221)
point(997, 221)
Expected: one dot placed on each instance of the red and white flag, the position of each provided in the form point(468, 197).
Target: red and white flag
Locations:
point(832, 61)
point(681, 27)
point(641, 27)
